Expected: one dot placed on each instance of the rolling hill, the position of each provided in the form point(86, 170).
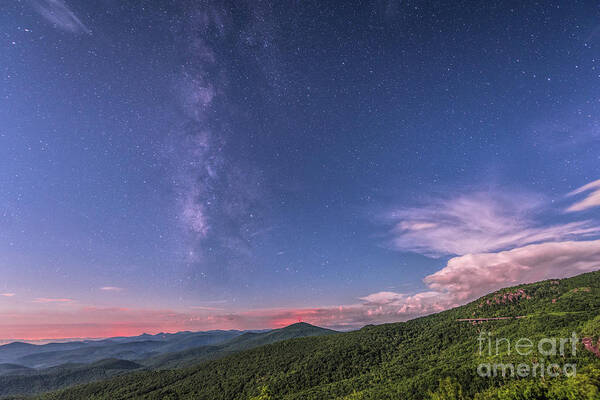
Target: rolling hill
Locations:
point(128, 348)
point(430, 357)
point(13, 369)
point(245, 341)
point(19, 380)
point(37, 381)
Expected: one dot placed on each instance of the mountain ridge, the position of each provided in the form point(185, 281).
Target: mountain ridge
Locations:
point(29, 380)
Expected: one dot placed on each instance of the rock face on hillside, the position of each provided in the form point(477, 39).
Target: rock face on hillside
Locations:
point(588, 344)
point(508, 297)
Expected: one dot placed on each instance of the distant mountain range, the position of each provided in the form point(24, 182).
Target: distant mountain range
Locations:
point(28, 369)
point(242, 342)
point(127, 348)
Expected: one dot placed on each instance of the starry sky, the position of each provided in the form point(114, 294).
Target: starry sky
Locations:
point(193, 165)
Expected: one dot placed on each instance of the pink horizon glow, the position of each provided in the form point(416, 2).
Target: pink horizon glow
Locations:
point(463, 279)
point(92, 322)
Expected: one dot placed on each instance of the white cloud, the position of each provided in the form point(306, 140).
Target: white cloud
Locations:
point(473, 275)
point(591, 200)
point(58, 13)
point(384, 298)
point(111, 288)
point(476, 223)
point(498, 240)
point(404, 306)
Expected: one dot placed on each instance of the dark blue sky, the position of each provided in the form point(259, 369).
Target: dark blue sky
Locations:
point(213, 158)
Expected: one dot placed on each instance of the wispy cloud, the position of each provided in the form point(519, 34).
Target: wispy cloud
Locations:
point(111, 288)
point(209, 305)
point(58, 13)
point(591, 200)
point(7, 294)
point(477, 222)
point(52, 300)
point(205, 308)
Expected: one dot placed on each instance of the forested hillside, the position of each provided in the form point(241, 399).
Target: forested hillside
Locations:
point(431, 357)
point(38, 381)
point(19, 380)
point(245, 341)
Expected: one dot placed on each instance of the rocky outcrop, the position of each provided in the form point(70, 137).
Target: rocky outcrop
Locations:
point(508, 297)
point(588, 344)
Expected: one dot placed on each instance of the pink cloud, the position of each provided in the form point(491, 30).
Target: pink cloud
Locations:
point(481, 229)
point(51, 300)
point(466, 278)
point(7, 294)
point(473, 275)
point(478, 223)
point(384, 298)
point(206, 308)
point(591, 200)
point(402, 306)
point(585, 188)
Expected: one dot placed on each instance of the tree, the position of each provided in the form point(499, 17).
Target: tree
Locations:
point(265, 394)
point(448, 389)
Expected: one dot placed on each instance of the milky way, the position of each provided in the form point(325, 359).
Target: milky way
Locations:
point(220, 196)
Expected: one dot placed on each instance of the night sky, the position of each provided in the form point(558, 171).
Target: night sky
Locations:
point(173, 165)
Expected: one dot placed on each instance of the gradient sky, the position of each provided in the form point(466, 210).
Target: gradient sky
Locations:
point(208, 164)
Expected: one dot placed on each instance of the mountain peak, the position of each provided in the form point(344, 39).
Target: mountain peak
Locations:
point(300, 325)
